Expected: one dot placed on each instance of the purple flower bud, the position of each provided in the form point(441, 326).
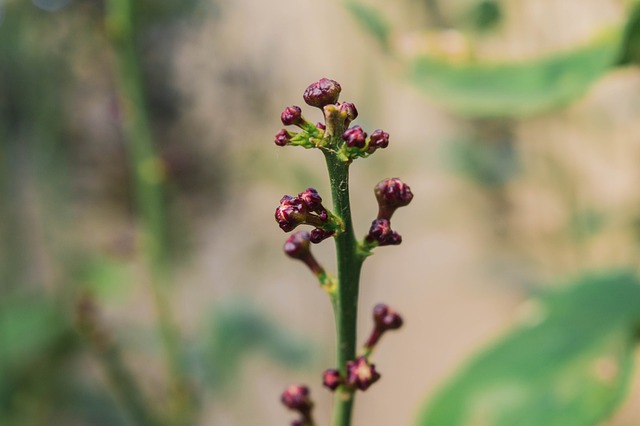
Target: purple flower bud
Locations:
point(322, 92)
point(391, 194)
point(351, 112)
point(282, 137)
point(361, 374)
point(332, 379)
point(379, 139)
point(297, 245)
point(291, 212)
point(296, 397)
point(312, 199)
point(381, 233)
point(291, 116)
point(318, 235)
point(355, 137)
point(321, 126)
point(385, 318)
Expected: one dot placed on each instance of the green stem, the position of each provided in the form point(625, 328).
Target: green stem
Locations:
point(345, 300)
point(148, 177)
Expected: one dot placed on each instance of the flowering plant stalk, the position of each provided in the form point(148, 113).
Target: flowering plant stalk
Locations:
point(341, 145)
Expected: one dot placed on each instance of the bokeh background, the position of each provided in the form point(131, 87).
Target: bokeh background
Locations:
point(508, 200)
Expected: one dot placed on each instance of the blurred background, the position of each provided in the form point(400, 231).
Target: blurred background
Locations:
point(140, 264)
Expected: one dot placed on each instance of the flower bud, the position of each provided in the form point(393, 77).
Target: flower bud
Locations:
point(382, 234)
point(322, 92)
point(291, 116)
point(361, 374)
point(321, 126)
point(296, 397)
point(318, 235)
point(350, 111)
point(391, 194)
point(379, 139)
point(355, 137)
point(332, 379)
point(282, 137)
point(297, 245)
point(312, 199)
point(385, 318)
point(290, 213)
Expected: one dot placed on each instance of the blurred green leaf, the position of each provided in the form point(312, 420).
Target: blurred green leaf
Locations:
point(630, 52)
point(239, 330)
point(512, 89)
point(371, 19)
point(569, 366)
point(485, 15)
point(28, 325)
point(109, 277)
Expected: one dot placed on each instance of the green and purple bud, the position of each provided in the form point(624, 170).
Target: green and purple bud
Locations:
point(378, 140)
point(350, 112)
point(361, 374)
point(322, 92)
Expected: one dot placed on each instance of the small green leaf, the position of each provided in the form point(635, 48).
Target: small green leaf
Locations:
point(568, 366)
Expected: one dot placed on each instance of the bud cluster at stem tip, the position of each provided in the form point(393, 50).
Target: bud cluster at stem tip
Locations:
point(334, 134)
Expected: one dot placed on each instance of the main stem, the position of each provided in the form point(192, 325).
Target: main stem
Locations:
point(345, 300)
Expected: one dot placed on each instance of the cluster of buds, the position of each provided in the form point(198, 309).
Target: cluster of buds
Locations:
point(296, 398)
point(350, 142)
point(361, 373)
point(306, 209)
point(391, 194)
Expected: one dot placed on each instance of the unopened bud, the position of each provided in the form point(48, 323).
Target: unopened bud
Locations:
point(312, 199)
point(385, 318)
point(332, 379)
point(282, 137)
point(322, 92)
point(291, 116)
point(382, 234)
point(296, 397)
point(355, 137)
point(361, 374)
point(391, 194)
point(318, 235)
point(297, 246)
point(378, 139)
point(350, 111)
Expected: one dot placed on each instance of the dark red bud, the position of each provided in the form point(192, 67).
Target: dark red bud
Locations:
point(297, 245)
point(322, 92)
point(282, 137)
point(385, 318)
point(321, 126)
point(355, 137)
point(382, 233)
point(379, 139)
point(312, 199)
point(296, 397)
point(291, 115)
point(361, 374)
point(291, 212)
point(332, 379)
point(391, 194)
point(318, 235)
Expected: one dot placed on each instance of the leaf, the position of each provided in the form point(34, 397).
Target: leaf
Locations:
point(371, 19)
point(569, 368)
point(512, 89)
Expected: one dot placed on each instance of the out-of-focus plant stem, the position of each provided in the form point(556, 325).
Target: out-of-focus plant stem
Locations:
point(148, 175)
point(345, 300)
